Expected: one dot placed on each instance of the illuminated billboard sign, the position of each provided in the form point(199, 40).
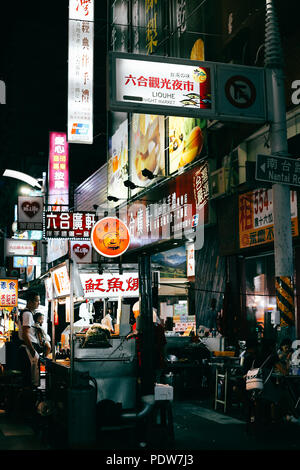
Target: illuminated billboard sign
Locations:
point(80, 72)
point(70, 225)
point(58, 175)
point(188, 88)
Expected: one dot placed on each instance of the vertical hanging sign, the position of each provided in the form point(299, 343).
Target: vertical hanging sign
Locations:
point(81, 71)
point(58, 174)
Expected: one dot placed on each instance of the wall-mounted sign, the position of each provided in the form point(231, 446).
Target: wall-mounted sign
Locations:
point(256, 222)
point(110, 237)
point(8, 293)
point(30, 212)
point(81, 10)
point(58, 174)
point(70, 225)
point(61, 281)
point(80, 72)
point(143, 84)
point(110, 285)
point(181, 204)
point(21, 247)
point(81, 251)
point(183, 87)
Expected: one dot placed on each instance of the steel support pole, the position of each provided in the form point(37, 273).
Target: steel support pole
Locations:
point(146, 325)
point(283, 246)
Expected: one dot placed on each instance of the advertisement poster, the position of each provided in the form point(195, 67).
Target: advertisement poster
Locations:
point(256, 217)
point(186, 141)
point(172, 263)
point(117, 165)
point(58, 172)
point(146, 148)
point(80, 72)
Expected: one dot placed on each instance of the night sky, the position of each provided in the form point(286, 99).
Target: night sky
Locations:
point(34, 66)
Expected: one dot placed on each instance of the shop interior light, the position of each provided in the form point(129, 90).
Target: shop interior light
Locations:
point(131, 185)
point(23, 177)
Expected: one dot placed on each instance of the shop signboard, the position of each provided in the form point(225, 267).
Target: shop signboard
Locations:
point(110, 237)
point(30, 212)
point(81, 251)
point(8, 293)
point(61, 281)
point(184, 87)
point(58, 172)
point(256, 221)
point(173, 211)
point(21, 247)
point(69, 225)
point(80, 72)
point(110, 285)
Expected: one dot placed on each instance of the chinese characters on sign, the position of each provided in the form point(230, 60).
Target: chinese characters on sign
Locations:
point(71, 225)
point(20, 247)
point(176, 212)
point(58, 192)
point(278, 169)
point(256, 217)
point(151, 20)
point(8, 293)
point(168, 84)
point(80, 72)
point(61, 281)
point(110, 285)
point(81, 10)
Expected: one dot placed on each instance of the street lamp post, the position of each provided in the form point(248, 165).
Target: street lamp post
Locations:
point(283, 246)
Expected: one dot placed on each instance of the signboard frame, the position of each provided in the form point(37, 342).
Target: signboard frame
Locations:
point(287, 164)
point(217, 87)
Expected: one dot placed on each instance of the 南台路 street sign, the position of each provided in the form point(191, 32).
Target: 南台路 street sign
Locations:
point(274, 169)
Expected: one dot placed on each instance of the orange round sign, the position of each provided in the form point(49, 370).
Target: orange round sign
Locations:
point(110, 237)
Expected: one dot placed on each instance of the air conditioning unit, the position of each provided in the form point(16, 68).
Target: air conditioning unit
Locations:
point(235, 162)
point(218, 182)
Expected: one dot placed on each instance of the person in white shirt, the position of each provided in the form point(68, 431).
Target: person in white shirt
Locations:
point(29, 357)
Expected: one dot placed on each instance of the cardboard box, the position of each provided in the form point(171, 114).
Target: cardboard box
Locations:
point(163, 392)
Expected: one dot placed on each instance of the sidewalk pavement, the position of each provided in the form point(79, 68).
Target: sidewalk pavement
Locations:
point(197, 427)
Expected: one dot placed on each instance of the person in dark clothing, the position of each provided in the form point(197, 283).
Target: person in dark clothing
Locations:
point(29, 349)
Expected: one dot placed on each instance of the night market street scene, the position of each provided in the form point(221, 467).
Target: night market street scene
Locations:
point(149, 233)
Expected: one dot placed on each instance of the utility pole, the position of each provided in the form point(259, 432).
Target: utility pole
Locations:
point(283, 246)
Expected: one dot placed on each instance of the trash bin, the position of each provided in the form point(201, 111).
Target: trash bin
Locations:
point(82, 415)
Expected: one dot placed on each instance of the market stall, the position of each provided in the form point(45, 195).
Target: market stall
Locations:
point(90, 346)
